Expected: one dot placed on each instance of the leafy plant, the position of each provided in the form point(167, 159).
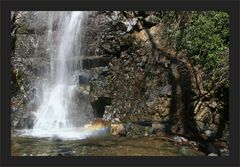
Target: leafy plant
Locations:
point(204, 36)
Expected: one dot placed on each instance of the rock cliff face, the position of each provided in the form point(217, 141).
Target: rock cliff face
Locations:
point(146, 81)
point(138, 83)
point(28, 62)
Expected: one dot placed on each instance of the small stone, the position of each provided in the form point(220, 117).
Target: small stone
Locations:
point(180, 139)
point(193, 143)
point(184, 139)
point(224, 150)
point(159, 134)
point(158, 126)
point(212, 155)
point(116, 120)
point(208, 133)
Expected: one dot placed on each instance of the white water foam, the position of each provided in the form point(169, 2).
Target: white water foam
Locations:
point(64, 133)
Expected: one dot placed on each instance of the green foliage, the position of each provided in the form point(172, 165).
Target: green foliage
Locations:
point(207, 37)
point(204, 36)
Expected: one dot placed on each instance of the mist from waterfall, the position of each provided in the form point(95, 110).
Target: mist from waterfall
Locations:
point(61, 113)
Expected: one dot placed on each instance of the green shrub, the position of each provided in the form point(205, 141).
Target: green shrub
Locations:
point(204, 36)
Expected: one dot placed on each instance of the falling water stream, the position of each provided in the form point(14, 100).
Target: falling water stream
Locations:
point(60, 113)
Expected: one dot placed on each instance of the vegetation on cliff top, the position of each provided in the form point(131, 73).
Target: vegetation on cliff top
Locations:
point(204, 36)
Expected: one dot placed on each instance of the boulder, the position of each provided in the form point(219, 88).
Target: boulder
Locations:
point(151, 20)
point(117, 129)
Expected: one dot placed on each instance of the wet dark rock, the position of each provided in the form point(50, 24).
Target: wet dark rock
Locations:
point(92, 62)
point(83, 78)
point(209, 148)
point(118, 26)
point(144, 123)
point(99, 106)
point(212, 149)
point(25, 122)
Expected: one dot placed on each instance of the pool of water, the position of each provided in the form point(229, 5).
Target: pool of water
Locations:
point(99, 146)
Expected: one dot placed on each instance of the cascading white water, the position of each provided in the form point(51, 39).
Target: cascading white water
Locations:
point(59, 113)
point(54, 110)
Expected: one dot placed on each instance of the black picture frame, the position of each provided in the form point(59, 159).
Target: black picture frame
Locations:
point(19, 5)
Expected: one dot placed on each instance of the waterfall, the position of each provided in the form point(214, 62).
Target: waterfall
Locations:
point(61, 113)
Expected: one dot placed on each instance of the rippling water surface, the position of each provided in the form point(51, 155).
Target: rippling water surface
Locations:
point(104, 145)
